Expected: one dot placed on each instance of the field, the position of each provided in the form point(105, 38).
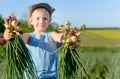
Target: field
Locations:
point(100, 51)
point(101, 37)
point(101, 62)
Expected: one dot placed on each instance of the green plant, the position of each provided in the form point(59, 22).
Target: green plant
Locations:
point(2, 28)
point(70, 62)
point(19, 61)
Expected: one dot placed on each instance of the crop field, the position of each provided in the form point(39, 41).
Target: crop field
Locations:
point(106, 34)
point(101, 37)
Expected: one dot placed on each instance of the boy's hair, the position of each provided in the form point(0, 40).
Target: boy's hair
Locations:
point(46, 6)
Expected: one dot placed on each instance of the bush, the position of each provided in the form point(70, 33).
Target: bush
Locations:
point(2, 28)
point(2, 53)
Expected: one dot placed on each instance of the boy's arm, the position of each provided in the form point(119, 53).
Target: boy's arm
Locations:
point(8, 35)
point(57, 37)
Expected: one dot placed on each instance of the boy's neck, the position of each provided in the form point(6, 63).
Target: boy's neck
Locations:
point(39, 32)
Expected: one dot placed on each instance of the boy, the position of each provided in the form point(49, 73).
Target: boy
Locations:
point(41, 43)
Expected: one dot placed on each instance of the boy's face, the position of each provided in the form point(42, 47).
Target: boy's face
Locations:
point(40, 19)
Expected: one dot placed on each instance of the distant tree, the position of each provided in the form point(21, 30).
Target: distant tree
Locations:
point(2, 28)
point(53, 27)
point(25, 27)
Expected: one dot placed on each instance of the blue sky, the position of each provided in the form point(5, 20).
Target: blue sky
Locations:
point(93, 13)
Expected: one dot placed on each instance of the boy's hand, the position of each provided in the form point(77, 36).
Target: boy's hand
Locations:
point(73, 46)
point(8, 34)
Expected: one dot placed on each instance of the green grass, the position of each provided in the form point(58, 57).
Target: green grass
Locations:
point(2, 68)
point(2, 62)
point(101, 62)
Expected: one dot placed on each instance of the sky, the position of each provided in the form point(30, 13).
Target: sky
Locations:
point(92, 13)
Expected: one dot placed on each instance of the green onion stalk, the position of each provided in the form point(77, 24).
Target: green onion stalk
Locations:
point(70, 65)
point(19, 61)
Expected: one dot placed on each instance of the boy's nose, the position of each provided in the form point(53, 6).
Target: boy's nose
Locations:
point(41, 20)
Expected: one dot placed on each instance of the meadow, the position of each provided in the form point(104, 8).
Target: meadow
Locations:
point(99, 49)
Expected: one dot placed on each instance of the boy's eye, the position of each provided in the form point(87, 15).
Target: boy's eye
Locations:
point(37, 18)
point(45, 18)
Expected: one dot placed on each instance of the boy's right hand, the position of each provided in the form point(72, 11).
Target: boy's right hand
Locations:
point(8, 34)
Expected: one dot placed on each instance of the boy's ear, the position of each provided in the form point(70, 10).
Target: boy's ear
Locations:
point(30, 21)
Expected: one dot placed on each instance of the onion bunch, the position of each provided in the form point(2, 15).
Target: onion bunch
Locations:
point(19, 62)
point(70, 64)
